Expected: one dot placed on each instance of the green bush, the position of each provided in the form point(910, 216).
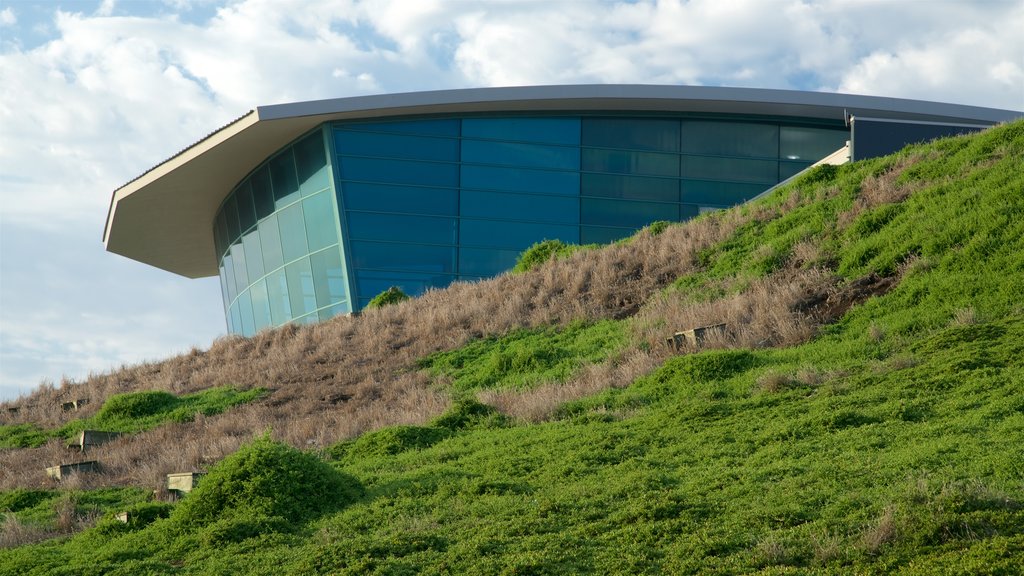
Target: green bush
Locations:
point(392, 295)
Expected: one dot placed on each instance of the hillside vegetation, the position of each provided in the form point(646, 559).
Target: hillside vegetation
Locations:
point(859, 411)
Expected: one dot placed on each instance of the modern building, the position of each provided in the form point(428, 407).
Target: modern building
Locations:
point(308, 210)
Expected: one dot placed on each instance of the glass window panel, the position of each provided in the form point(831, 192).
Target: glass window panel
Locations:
point(810, 144)
point(229, 276)
point(231, 214)
point(270, 244)
point(241, 274)
point(550, 130)
point(260, 306)
point(628, 213)
point(512, 206)
point(246, 210)
point(396, 146)
point(628, 162)
point(411, 257)
point(245, 311)
point(277, 295)
point(630, 187)
point(321, 230)
point(520, 179)
point(235, 320)
point(222, 229)
point(332, 311)
point(293, 232)
point(602, 235)
point(631, 133)
point(735, 169)
point(516, 154)
point(486, 261)
point(301, 293)
point(218, 238)
point(401, 228)
point(254, 257)
point(372, 282)
point(730, 138)
point(687, 211)
point(329, 281)
point(412, 199)
point(790, 169)
point(311, 164)
point(433, 127)
point(283, 179)
point(399, 171)
point(224, 287)
point(262, 195)
point(513, 235)
point(719, 193)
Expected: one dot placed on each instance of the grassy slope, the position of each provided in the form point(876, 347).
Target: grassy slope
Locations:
point(893, 441)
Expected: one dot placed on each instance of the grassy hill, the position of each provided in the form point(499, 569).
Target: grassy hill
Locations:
point(860, 411)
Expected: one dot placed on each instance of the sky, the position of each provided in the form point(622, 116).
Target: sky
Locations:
point(94, 93)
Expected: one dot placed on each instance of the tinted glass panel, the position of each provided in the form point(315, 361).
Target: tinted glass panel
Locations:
point(231, 214)
point(260, 305)
point(254, 263)
point(410, 257)
point(600, 235)
point(219, 240)
point(371, 283)
point(262, 195)
point(730, 139)
point(332, 311)
point(788, 169)
point(551, 130)
point(301, 294)
point(734, 169)
point(520, 179)
point(512, 235)
point(516, 154)
point(241, 276)
point(246, 210)
point(311, 164)
point(229, 277)
point(235, 320)
point(719, 193)
point(318, 212)
point(270, 243)
point(632, 133)
point(328, 277)
point(387, 198)
point(630, 187)
point(277, 295)
point(401, 228)
point(435, 127)
point(626, 162)
point(625, 213)
point(224, 287)
point(293, 232)
point(687, 211)
point(283, 179)
point(399, 171)
point(810, 144)
point(486, 261)
point(511, 206)
point(245, 312)
point(396, 146)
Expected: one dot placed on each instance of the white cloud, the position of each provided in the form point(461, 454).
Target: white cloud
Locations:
point(7, 17)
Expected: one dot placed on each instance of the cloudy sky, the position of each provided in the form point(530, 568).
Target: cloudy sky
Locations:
point(93, 93)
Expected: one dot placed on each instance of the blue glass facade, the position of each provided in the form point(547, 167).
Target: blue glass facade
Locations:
point(357, 207)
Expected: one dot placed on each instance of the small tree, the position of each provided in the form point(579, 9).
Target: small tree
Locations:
point(392, 295)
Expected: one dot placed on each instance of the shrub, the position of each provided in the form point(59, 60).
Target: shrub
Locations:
point(136, 405)
point(392, 295)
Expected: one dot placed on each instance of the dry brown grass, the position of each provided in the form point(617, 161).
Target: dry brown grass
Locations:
point(882, 532)
point(885, 188)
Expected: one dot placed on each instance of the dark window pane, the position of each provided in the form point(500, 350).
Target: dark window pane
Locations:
point(719, 193)
point(260, 305)
point(734, 169)
point(790, 169)
point(512, 235)
point(246, 210)
point(396, 146)
point(311, 164)
point(429, 127)
point(630, 187)
point(409, 257)
point(254, 255)
point(241, 274)
point(277, 295)
point(810, 144)
point(293, 232)
point(224, 287)
point(372, 282)
point(730, 139)
point(329, 282)
point(399, 171)
point(231, 214)
point(245, 312)
point(270, 244)
point(262, 195)
point(388, 198)
point(321, 230)
point(601, 235)
point(520, 179)
point(627, 213)
point(283, 179)
point(628, 162)
point(550, 130)
point(401, 228)
point(301, 294)
point(486, 261)
point(516, 154)
point(631, 133)
point(229, 276)
point(687, 211)
point(512, 206)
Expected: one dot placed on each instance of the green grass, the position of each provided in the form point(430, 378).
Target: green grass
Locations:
point(893, 442)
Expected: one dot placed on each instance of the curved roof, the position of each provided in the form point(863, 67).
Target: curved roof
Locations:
point(165, 216)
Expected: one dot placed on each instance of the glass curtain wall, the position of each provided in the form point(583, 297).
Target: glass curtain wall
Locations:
point(277, 240)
